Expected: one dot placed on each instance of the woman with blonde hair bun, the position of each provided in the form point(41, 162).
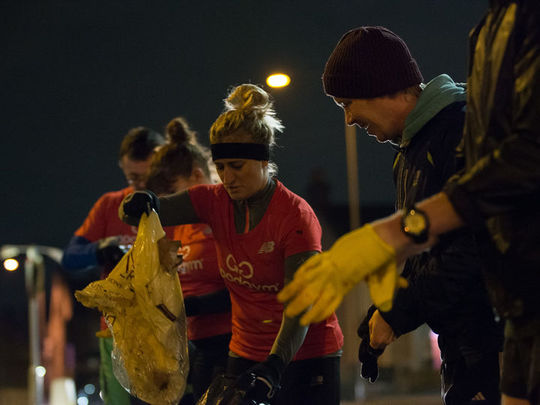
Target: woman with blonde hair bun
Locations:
point(263, 233)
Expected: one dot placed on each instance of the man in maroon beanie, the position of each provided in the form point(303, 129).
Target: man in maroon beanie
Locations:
point(373, 77)
point(497, 197)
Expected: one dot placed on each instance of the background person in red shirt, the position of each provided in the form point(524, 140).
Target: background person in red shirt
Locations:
point(263, 233)
point(100, 239)
point(181, 163)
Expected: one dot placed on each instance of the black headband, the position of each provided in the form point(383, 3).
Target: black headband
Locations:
point(255, 151)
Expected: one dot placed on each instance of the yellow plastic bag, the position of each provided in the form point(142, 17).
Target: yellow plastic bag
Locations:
point(142, 303)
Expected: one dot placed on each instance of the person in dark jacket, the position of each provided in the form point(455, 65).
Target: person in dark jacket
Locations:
point(497, 195)
point(446, 288)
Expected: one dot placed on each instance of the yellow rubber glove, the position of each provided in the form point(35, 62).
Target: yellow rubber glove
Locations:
point(383, 285)
point(322, 281)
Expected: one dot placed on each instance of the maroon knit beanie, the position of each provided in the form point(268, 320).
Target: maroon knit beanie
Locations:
point(369, 62)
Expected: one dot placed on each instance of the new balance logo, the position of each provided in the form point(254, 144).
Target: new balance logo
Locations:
point(267, 247)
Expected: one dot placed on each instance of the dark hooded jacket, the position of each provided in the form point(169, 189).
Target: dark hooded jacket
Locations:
point(446, 287)
point(499, 194)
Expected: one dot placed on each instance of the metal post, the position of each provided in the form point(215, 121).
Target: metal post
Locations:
point(355, 304)
point(34, 274)
point(352, 176)
point(35, 279)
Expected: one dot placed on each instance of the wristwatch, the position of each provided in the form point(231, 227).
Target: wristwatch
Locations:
point(415, 224)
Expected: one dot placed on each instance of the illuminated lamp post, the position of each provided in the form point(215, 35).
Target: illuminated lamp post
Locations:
point(34, 274)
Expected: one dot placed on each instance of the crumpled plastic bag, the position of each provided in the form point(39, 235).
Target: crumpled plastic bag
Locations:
point(142, 303)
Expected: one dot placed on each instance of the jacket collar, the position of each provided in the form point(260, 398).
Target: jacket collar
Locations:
point(436, 95)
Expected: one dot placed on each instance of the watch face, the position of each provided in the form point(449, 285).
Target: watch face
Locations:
point(414, 222)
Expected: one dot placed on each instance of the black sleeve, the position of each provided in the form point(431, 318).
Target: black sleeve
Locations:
point(408, 310)
point(79, 254)
point(177, 209)
point(507, 178)
point(448, 159)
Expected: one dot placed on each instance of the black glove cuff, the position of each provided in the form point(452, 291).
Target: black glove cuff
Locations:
point(363, 328)
point(275, 362)
point(135, 204)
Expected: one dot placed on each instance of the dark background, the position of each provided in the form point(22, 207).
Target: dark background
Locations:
point(76, 75)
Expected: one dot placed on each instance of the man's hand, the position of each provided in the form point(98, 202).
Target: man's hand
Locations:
point(380, 332)
point(376, 335)
point(366, 354)
point(322, 281)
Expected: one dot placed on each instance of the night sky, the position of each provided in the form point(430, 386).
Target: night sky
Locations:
point(77, 75)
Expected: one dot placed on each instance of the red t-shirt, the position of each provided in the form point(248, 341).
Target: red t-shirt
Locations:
point(199, 274)
point(103, 221)
point(252, 265)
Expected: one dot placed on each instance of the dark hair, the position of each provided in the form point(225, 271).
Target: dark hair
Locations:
point(139, 143)
point(178, 157)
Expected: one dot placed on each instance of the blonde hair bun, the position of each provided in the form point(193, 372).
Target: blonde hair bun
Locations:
point(248, 98)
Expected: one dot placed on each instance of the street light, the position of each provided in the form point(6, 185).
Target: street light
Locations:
point(278, 80)
point(34, 274)
point(11, 264)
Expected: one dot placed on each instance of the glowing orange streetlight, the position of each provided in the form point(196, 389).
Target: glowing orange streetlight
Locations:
point(278, 80)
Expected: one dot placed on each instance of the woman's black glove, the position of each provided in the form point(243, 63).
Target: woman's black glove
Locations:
point(135, 204)
point(109, 253)
point(366, 354)
point(259, 384)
